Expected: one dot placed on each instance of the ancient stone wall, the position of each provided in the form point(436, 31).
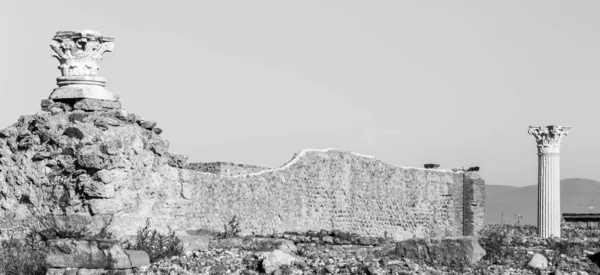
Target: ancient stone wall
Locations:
point(474, 204)
point(224, 168)
point(110, 164)
point(318, 189)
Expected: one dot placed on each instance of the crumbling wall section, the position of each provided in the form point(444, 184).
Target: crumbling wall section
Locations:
point(474, 203)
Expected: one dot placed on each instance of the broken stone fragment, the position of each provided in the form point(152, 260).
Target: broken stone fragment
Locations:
point(9, 132)
point(254, 244)
point(112, 148)
point(538, 261)
point(45, 103)
point(148, 124)
point(77, 117)
point(157, 130)
point(94, 189)
point(28, 141)
point(276, 259)
point(92, 157)
point(73, 132)
point(41, 155)
point(61, 106)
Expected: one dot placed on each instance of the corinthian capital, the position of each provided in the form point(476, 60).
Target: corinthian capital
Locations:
point(548, 138)
point(80, 51)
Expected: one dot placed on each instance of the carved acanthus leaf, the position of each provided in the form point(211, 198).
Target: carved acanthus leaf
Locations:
point(79, 52)
point(548, 138)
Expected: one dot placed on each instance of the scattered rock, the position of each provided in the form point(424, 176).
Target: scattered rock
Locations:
point(538, 261)
point(276, 259)
point(255, 244)
point(59, 105)
point(73, 132)
point(148, 124)
point(77, 117)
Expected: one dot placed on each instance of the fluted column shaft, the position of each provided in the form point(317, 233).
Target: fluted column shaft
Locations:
point(549, 195)
point(548, 140)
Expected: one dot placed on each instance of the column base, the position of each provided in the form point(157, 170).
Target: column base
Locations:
point(77, 87)
point(79, 91)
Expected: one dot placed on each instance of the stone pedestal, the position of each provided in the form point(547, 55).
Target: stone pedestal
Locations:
point(77, 87)
point(548, 142)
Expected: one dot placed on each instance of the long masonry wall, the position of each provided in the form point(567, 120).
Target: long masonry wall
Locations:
point(317, 189)
point(106, 167)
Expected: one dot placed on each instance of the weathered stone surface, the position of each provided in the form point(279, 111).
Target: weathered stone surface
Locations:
point(94, 189)
point(148, 124)
point(46, 102)
point(138, 258)
point(255, 244)
point(92, 254)
point(450, 251)
point(93, 104)
point(538, 261)
point(45, 172)
point(52, 226)
point(276, 259)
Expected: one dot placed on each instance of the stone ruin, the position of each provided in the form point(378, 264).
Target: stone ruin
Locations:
point(85, 163)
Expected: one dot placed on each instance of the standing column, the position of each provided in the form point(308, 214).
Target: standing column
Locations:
point(548, 142)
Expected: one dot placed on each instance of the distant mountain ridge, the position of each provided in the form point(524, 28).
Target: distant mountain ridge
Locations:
point(503, 202)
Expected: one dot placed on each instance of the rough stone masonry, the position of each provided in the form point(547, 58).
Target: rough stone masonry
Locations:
point(84, 156)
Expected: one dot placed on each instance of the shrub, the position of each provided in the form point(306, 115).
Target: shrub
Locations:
point(493, 240)
point(23, 257)
point(157, 245)
point(231, 229)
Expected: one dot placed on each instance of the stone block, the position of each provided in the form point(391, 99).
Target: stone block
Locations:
point(52, 225)
point(46, 103)
point(148, 124)
point(138, 258)
point(94, 189)
point(93, 255)
point(64, 253)
point(92, 104)
point(83, 91)
point(104, 206)
point(448, 251)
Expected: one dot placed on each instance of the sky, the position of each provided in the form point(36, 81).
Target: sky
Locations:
point(409, 82)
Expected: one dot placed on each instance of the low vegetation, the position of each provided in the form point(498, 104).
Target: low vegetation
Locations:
point(157, 245)
point(508, 249)
point(23, 256)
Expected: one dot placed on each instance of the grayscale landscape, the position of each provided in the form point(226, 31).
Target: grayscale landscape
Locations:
point(299, 137)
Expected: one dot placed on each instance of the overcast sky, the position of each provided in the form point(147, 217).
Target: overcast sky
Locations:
point(409, 82)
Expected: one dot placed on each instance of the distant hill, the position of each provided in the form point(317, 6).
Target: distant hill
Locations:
point(577, 196)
